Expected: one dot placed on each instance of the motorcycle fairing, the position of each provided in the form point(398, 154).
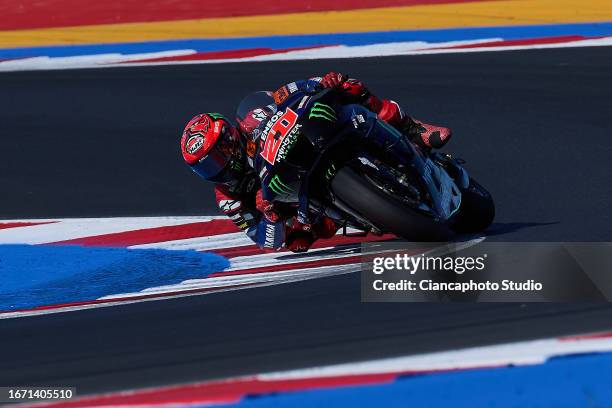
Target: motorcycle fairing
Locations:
point(284, 182)
point(444, 193)
point(446, 196)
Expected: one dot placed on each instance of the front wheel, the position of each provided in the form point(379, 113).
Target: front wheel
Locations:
point(386, 212)
point(476, 211)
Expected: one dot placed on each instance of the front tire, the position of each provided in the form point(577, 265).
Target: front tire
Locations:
point(383, 210)
point(477, 209)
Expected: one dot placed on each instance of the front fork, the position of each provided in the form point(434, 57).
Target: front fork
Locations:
point(454, 168)
point(443, 194)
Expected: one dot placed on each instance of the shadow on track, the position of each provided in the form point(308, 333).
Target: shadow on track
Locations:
point(502, 228)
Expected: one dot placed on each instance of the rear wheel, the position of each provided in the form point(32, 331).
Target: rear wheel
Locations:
point(477, 209)
point(383, 210)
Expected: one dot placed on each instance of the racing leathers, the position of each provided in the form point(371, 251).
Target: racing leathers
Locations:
point(243, 203)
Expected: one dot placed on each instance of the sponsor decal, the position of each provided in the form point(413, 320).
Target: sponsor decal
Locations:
point(281, 125)
point(358, 119)
point(281, 95)
point(288, 143)
point(292, 87)
point(277, 185)
point(322, 111)
point(303, 101)
point(269, 242)
point(239, 221)
point(237, 165)
point(251, 148)
point(229, 205)
point(269, 124)
point(194, 143)
point(259, 114)
point(302, 217)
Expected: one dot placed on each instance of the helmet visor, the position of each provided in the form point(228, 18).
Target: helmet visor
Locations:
point(216, 165)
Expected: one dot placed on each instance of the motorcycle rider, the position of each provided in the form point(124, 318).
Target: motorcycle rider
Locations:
point(217, 151)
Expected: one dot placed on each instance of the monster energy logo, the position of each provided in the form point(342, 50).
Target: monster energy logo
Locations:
point(236, 165)
point(320, 110)
point(288, 143)
point(278, 186)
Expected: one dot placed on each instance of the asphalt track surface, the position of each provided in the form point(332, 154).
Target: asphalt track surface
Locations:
point(533, 126)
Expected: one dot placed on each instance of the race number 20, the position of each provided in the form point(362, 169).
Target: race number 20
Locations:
point(279, 130)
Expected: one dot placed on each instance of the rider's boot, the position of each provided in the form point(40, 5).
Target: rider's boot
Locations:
point(423, 134)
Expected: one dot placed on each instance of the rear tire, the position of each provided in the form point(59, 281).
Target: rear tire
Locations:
point(477, 209)
point(383, 210)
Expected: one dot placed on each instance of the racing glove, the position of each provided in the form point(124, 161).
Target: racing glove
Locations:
point(333, 79)
point(266, 207)
point(387, 110)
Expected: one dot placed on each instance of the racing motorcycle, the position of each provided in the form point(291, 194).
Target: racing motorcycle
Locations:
point(318, 156)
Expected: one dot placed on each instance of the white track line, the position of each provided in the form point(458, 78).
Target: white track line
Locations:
point(73, 228)
point(520, 353)
point(327, 52)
